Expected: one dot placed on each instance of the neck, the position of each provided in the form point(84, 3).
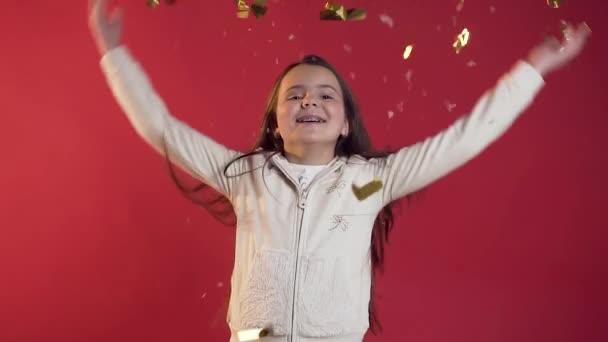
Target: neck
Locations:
point(309, 154)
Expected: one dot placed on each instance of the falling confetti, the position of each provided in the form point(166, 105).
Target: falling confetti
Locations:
point(258, 8)
point(384, 18)
point(492, 9)
point(220, 284)
point(459, 6)
point(204, 295)
point(449, 106)
point(391, 114)
point(348, 48)
point(555, 3)
point(291, 37)
point(352, 75)
point(367, 190)
point(400, 106)
point(408, 51)
point(408, 76)
point(384, 79)
point(156, 3)
point(334, 11)
point(461, 40)
point(471, 64)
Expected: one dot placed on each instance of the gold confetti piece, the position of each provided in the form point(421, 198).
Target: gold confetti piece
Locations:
point(243, 9)
point(367, 190)
point(555, 3)
point(461, 40)
point(334, 11)
point(258, 8)
point(408, 51)
point(252, 334)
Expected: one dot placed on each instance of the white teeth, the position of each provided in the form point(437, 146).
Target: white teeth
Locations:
point(310, 120)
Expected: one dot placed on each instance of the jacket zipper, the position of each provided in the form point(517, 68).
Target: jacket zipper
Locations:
point(302, 195)
point(299, 220)
point(295, 273)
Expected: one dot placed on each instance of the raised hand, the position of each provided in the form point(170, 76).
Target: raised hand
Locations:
point(554, 54)
point(106, 29)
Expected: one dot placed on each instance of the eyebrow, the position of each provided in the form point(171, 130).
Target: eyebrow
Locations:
point(299, 86)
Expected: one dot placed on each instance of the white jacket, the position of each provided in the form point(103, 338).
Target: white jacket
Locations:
point(302, 257)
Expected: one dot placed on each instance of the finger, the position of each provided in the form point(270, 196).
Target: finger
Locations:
point(583, 29)
point(568, 33)
point(93, 8)
point(100, 9)
point(576, 44)
point(93, 12)
point(117, 15)
point(579, 35)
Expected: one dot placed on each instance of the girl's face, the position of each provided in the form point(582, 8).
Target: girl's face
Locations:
point(310, 108)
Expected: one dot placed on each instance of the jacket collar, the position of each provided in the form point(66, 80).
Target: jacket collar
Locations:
point(279, 161)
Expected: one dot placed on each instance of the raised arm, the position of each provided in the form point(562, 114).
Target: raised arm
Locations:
point(192, 151)
point(414, 167)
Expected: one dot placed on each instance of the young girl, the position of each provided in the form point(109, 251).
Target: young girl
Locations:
point(312, 201)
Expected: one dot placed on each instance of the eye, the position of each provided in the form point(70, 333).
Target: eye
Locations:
point(295, 97)
point(327, 97)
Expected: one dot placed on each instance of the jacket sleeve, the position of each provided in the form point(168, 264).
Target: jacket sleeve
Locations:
point(414, 167)
point(190, 150)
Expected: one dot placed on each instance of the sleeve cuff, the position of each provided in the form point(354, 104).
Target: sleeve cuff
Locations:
point(116, 58)
point(525, 74)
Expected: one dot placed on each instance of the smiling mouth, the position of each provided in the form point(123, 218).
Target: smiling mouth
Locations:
point(310, 120)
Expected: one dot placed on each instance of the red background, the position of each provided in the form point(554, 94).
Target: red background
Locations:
point(96, 244)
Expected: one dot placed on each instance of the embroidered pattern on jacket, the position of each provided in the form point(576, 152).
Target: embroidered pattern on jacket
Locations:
point(337, 187)
point(339, 221)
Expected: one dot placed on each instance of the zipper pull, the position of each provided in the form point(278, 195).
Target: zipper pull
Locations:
point(302, 203)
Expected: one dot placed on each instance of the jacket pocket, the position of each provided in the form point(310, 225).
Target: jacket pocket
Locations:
point(328, 301)
point(264, 300)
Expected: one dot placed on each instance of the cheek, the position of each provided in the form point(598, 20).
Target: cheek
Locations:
point(286, 111)
point(338, 111)
point(283, 117)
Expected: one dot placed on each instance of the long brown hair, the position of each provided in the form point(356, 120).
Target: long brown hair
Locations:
point(357, 142)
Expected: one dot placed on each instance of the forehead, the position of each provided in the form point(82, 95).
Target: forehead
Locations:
point(309, 76)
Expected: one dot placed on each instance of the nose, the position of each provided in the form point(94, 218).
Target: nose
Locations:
point(308, 101)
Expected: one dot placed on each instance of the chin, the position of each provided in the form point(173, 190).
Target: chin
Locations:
point(317, 140)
